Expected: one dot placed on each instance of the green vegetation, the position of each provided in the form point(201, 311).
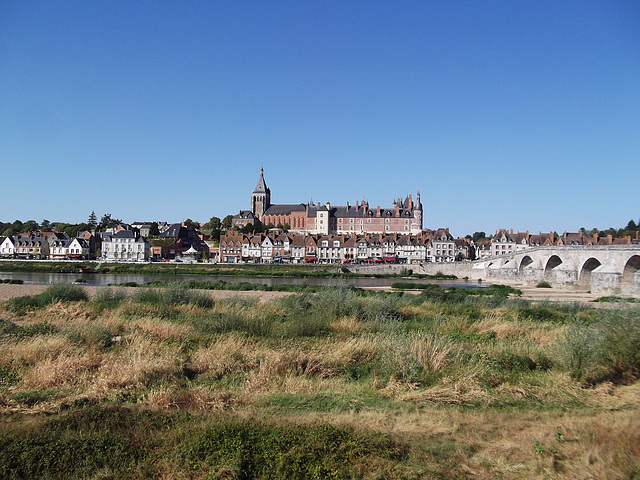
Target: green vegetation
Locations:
point(179, 382)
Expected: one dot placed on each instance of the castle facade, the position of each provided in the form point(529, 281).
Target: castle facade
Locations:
point(404, 216)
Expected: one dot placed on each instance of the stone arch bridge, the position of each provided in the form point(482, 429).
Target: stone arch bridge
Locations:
point(605, 269)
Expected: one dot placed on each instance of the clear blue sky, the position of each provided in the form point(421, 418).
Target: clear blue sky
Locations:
point(521, 115)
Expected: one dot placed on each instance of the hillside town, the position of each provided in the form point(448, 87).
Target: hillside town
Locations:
point(292, 233)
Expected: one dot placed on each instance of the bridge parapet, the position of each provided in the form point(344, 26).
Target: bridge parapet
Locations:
point(605, 268)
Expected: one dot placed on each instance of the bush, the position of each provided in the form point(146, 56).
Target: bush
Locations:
point(109, 298)
point(607, 349)
point(62, 294)
point(247, 449)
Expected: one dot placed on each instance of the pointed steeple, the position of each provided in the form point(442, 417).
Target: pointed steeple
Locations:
point(261, 187)
point(261, 197)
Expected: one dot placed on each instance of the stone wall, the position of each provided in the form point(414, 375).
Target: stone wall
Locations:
point(459, 269)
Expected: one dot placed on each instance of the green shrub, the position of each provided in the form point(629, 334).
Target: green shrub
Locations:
point(396, 357)
point(149, 296)
point(201, 299)
point(247, 449)
point(62, 293)
point(605, 349)
point(578, 349)
point(8, 328)
point(20, 305)
point(260, 325)
point(8, 377)
point(109, 298)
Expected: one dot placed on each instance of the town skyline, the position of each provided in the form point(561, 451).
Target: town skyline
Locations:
point(516, 116)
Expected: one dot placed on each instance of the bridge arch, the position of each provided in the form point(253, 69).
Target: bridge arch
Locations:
point(584, 276)
point(526, 260)
point(552, 262)
point(630, 269)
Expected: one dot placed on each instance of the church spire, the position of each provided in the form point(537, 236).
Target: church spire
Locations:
point(261, 197)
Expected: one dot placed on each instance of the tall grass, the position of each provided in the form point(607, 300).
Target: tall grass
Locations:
point(607, 348)
point(161, 383)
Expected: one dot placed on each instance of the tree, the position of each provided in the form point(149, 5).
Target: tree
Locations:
point(154, 231)
point(30, 226)
point(192, 224)
point(107, 221)
point(256, 227)
point(478, 236)
point(226, 222)
point(93, 219)
point(213, 224)
point(45, 226)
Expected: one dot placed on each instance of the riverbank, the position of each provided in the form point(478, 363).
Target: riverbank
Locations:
point(558, 294)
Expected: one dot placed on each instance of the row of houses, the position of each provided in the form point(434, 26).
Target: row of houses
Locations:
point(48, 245)
point(427, 246)
point(505, 242)
point(119, 244)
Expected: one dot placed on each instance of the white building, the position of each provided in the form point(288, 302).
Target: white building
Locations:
point(125, 247)
point(7, 249)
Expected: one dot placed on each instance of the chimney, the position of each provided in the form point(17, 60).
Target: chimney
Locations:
point(410, 201)
point(357, 205)
point(347, 206)
point(378, 210)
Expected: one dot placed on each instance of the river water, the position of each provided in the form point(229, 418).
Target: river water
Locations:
point(102, 279)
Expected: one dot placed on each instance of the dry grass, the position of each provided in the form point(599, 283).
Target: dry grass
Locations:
point(31, 351)
point(462, 417)
point(135, 363)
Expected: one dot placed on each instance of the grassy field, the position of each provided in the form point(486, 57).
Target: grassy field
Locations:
point(169, 383)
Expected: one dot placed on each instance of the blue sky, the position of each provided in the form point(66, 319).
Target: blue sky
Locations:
point(521, 115)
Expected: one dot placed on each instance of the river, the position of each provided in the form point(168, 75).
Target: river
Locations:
point(103, 279)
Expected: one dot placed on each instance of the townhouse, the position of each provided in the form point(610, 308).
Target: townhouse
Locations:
point(441, 246)
point(31, 245)
point(7, 247)
point(125, 246)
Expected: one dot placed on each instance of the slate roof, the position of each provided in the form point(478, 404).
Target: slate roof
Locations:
point(285, 209)
point(124, 234)
point(261, 187)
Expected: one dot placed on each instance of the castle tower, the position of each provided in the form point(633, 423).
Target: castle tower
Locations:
point(261, 197)
point(417, 212)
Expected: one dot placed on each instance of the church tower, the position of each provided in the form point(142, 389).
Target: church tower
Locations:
point(261, 197)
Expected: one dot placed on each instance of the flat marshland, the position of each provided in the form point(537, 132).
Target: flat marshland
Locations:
point(175, 383)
